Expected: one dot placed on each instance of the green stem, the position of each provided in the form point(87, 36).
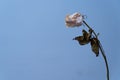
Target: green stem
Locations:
point(101, 49)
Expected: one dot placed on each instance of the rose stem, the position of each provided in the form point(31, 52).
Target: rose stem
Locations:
point(101, 49)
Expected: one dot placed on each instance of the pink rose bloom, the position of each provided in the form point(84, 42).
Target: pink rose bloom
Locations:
point(74, 20)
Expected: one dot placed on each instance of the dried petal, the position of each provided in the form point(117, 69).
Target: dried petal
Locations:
point(74, 20)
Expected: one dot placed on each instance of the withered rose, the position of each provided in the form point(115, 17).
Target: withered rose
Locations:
point(74, 20)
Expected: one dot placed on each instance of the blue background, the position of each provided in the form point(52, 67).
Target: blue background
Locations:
point(36, 45)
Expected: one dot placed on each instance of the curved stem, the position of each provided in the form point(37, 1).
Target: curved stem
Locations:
point(105, 59)
point(101, 49)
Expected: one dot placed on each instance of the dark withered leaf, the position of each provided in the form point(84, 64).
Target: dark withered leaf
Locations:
point(81, 40)
point(86, 35)
point(85, 39)
point(95, 46)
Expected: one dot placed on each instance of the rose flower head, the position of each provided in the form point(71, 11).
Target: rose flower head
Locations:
point(74, 20)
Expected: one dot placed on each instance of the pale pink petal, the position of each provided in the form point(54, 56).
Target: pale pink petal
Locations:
point(74, 20)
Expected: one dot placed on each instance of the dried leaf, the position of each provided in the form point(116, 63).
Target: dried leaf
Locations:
point(81, 40)
point(85, 39)
point(95, 46)
point(86, 35)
